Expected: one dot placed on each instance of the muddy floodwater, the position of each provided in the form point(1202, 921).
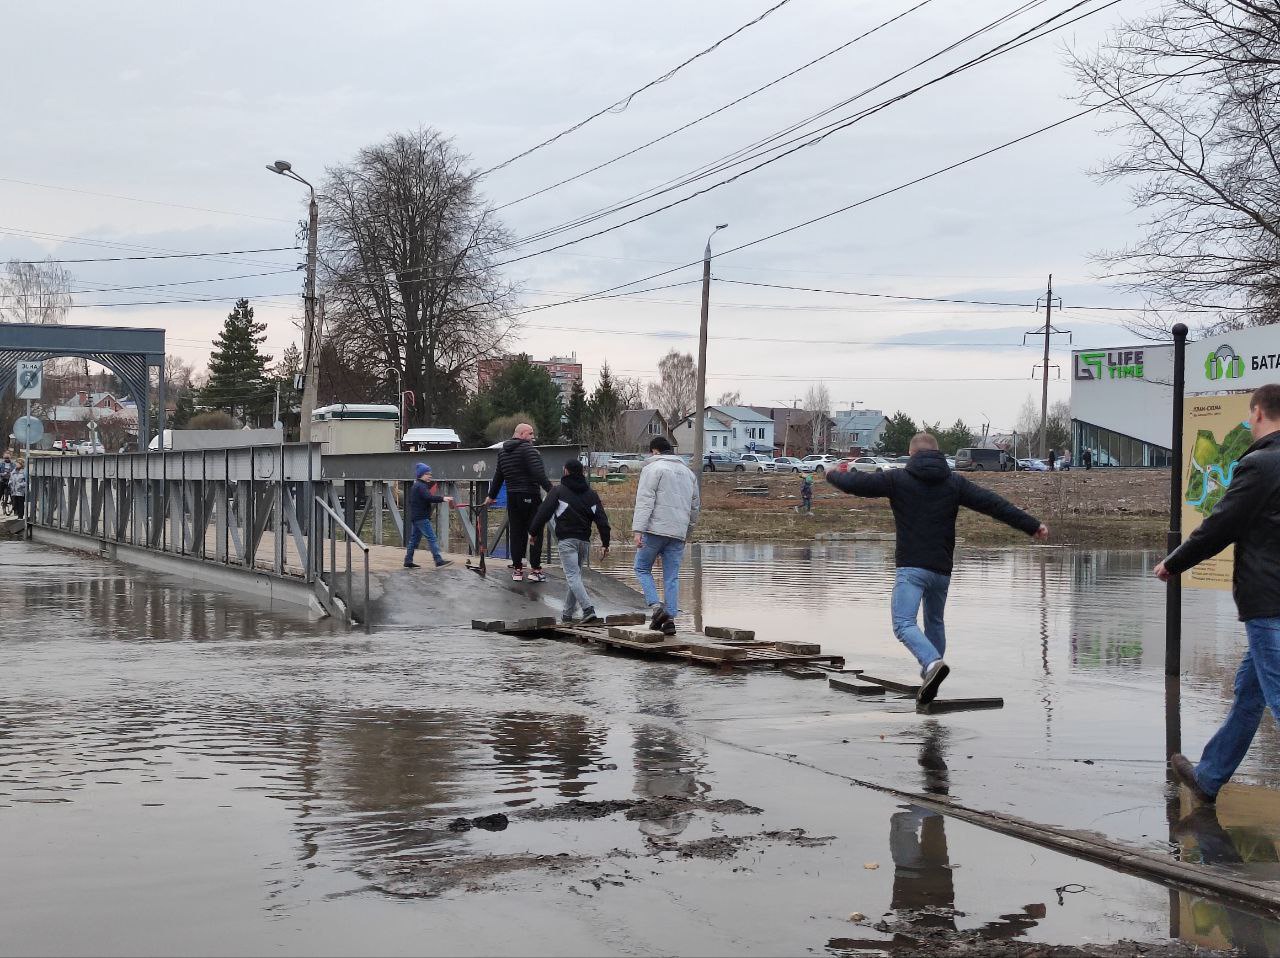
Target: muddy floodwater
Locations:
point(184, 772)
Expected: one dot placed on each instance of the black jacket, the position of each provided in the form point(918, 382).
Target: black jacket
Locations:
point(926, 496)
point(575, 506)
point(520, 467)
point(421, 499)
point(1249, 516)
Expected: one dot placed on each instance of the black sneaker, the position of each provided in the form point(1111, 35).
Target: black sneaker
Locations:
point(412, 565)
point(440, 563)
point(589, 617)
point(668, 626)
point(1185, 773)
point(933, 676)
point(659, 617)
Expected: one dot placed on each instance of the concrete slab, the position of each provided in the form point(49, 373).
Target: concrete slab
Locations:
point(726, 632)
point(630, 634)
point(799, 648)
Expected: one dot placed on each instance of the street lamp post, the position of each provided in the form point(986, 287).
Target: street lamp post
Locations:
point(310, 334)
point(700, 412)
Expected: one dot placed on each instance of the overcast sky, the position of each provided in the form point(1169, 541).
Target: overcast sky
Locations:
point(182, 105)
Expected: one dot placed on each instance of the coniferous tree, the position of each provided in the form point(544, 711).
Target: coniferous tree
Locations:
point(577, 424)
point(239, 383)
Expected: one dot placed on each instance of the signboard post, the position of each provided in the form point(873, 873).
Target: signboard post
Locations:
point(1173, 594)
point(28, 384)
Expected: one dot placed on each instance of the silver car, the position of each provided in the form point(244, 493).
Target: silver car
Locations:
point(754, 462)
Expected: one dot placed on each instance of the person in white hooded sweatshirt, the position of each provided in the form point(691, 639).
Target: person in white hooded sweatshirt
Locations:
point(667, 505)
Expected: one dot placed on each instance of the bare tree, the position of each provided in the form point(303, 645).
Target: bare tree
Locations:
point(631, 392)
point(1193, 90)
point(675, 392)
point(408, 269)
point(37, 293)
point(733, 398)
point(817, 403)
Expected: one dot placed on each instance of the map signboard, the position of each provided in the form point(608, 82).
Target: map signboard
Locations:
point(1215, 434)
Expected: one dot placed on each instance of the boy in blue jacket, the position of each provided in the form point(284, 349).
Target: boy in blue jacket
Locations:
point(421, 499)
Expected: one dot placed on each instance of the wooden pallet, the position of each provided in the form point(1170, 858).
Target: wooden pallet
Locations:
point(938, 706)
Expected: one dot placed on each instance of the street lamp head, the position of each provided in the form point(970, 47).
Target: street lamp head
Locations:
point(721, 226)
point(280, 166)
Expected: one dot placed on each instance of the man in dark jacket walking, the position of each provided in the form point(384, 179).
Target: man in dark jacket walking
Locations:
point(421, 498)
point(1248, 516)
point(575, 507)
point(926, 497)
point(520, 466)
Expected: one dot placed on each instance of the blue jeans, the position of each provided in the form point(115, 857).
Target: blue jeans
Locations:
point(910, 589)
point(1257, 687)
point(419, 530)
point(671, 552)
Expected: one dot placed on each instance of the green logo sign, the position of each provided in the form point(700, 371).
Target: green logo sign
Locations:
point(1223, 362)
point(1103, 364)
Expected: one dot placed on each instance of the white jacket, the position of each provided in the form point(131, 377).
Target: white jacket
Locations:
point(667, 501)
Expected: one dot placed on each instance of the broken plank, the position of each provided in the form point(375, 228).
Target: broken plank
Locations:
point(798, 648)
point(625, 618)
point(891, 684)
point(724, 632)
point(628, 634)
point(857, 688)
point(802, 672)
point(938, 706)
point(838, 669)
point(715, 653)
point(528, 625)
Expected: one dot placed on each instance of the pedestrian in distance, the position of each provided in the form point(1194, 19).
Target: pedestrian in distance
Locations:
point(422, 496)
point(1050, 460)
point(1248, 517)
point(1064, 461)
point(666, 511)
point(926, 497)
point(18, 488)
point(574, 507)
point(1087, 458)
point(521, 467)
point(806, 494)
point(6, 471)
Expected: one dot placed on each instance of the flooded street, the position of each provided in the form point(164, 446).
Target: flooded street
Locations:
point(188, 773)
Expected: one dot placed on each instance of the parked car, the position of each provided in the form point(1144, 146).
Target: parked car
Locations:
point(821, 464)
point(899, 462)
point(951, 461)
point(872, 464)
point(754, 462)
point(625, 462)
point(1032, 465)
point(89, 447)
point(791, 464)
point(973, 459)
point(718, 462)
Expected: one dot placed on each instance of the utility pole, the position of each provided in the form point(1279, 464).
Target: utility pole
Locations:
point(699, 414)
point(1046, 331)
point(1044, 379)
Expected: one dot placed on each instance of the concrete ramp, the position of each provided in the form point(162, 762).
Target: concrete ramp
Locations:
point(455, 595)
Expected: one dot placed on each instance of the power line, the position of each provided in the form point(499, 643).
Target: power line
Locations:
point(122, 259)
point(847, 292)
point(869, 199)
point(612, 331)
point(138, 199)
point(620, 105)
point(189, 282)
point(809, 139)
point(706, 116)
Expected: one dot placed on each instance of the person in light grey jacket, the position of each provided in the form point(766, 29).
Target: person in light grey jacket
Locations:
point(667, 505)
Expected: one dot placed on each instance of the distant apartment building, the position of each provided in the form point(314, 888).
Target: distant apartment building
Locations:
point(858, 430)
point(563, 370)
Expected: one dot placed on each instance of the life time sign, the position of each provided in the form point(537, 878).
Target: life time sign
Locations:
point(1239, 360)
point(1108, 364)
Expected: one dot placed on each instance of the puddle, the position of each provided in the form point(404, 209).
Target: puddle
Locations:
point(272, 784)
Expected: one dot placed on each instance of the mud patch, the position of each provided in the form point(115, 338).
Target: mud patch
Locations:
point(636, 810)
point(925, 943)
point(724, 847)
point(428, 879)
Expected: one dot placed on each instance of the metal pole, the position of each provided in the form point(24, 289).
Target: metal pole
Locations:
point(1044, 384)
point(1173, 589)
point(699, 414)
point(310, 334)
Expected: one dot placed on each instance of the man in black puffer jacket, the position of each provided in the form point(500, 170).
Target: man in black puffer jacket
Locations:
point(520, 466)
point(1248, 517)
point(926, 497)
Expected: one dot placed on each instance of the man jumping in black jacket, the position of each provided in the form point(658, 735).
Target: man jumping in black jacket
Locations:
point(926, 497)
point(520, 466)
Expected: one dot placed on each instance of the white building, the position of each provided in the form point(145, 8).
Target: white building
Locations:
point(1121, 402)
point(715, 435)
point(736, 430)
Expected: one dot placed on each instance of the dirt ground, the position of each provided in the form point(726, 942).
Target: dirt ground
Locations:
point(1113, 507)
